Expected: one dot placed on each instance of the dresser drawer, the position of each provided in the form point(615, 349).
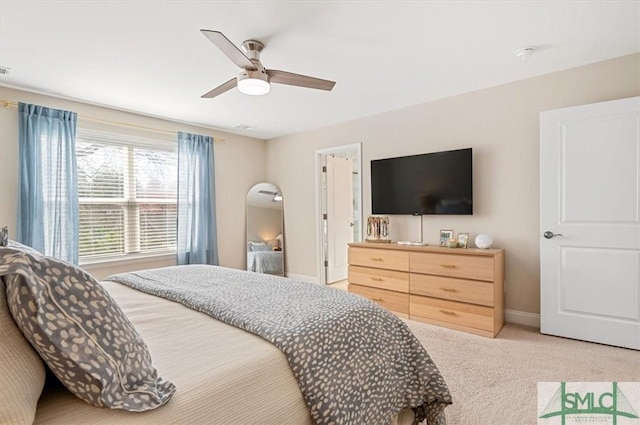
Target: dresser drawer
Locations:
point(463, 266)
point(391, 300)
point(449, 288)
point(379, 278)
point(379, 258)
point(472, 316)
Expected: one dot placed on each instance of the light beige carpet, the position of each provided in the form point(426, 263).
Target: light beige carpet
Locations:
point(494, 381)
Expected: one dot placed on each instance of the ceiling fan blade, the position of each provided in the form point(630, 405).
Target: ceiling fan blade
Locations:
point(229, 49)
point(283, 77)
point(221, 88)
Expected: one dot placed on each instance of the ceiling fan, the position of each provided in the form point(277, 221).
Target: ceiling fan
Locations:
point(255, 79)
point(277, 196)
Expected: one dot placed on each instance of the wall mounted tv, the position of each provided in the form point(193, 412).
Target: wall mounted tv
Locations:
point(431, 183)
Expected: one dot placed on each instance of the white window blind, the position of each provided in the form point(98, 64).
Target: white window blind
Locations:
point(128, 190)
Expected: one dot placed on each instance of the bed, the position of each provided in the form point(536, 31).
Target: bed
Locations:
point(223, 374)
point(261, 258)
point(269, 262)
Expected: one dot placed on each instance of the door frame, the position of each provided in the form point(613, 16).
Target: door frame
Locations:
point(319, 158)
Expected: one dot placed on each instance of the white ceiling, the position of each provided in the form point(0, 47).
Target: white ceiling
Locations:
point(150, 57)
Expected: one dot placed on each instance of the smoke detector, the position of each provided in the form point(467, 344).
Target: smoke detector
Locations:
point(525, 52)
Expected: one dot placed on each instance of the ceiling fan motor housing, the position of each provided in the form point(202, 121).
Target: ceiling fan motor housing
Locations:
point(252, 49)
point(254, 82)
point(259, 74)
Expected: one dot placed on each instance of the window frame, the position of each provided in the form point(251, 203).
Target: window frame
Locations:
point(129, 141)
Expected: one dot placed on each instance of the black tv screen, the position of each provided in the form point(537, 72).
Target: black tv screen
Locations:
point(432, 183)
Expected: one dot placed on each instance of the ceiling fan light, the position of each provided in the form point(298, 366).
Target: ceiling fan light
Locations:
point(253, 86)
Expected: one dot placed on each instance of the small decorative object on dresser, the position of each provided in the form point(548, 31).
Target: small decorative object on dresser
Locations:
point(378, 228)
point(483, 241)
point(445, 235)
point(463, 239)
point(452, 243)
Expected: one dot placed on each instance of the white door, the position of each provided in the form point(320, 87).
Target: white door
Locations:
point(339, 216)
point(590, 222)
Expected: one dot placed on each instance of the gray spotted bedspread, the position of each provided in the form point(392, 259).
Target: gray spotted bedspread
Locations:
point(265, 262)
point(355, 362)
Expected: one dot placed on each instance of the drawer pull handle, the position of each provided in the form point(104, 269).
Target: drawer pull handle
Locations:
point(450, 313)
point(379, 279)
point(449, 289)
point(448, 266)
point(376, 299)
point(376, 259)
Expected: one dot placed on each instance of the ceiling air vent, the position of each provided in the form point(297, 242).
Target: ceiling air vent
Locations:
point(245, 127)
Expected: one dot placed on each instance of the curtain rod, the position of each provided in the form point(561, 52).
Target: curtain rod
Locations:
point(11, 104)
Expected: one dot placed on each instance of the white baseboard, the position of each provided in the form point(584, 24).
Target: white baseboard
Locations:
point(304, 278)
point(522, 318)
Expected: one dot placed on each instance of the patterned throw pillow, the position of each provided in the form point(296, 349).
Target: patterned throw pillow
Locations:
point(81, 333)
point(24, 248)
point(4, 236)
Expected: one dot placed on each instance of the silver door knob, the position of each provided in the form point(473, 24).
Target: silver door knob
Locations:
point(550, 235)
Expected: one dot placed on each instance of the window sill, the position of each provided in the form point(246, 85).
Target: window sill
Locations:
point(128, 259)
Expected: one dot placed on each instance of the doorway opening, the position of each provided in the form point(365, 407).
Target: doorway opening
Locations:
point(338, 211)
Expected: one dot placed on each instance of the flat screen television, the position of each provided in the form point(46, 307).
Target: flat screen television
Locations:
point(431, 183)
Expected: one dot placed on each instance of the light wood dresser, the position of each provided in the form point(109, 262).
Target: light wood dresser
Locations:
point(457, 288)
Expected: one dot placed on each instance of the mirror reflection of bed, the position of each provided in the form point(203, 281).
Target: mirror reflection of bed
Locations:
point(265, 232)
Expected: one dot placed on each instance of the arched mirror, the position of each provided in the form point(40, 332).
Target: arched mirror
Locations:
point(265, 230)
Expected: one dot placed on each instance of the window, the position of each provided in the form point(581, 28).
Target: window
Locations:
point(128, 190)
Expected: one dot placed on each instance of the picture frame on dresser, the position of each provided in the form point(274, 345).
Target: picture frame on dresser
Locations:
point(445, 235)
point(463, 240)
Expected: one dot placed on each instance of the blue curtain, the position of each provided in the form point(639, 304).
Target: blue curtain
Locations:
point(48, 203)
point(197, 238)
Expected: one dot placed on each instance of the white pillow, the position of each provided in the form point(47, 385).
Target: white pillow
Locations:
point(260, 247)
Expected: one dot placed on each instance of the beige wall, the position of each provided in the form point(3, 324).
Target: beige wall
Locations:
point(239, 164)
point(501, 124)
point(263, 224)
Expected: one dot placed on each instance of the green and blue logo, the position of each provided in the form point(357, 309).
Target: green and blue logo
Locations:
point(588, 402)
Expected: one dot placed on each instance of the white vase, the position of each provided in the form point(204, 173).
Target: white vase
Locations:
point(483, 241)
